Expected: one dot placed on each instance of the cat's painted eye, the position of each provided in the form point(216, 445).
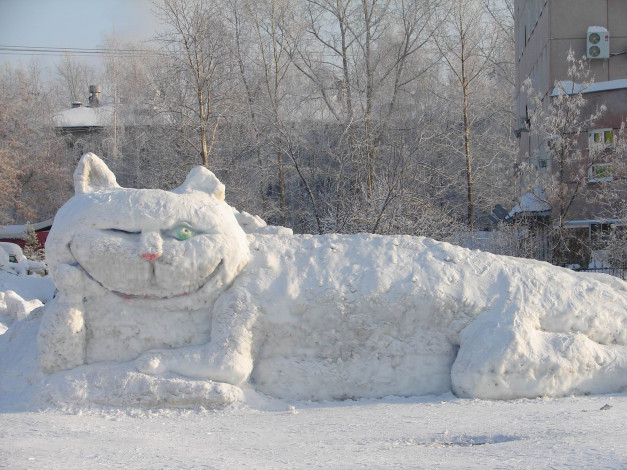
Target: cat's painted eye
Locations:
point(183, 233)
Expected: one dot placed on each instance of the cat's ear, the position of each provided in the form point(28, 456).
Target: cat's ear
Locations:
point(92, 174)
point(201, 179)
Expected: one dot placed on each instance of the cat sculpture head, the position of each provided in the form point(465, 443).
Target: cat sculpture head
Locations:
point(148, 243)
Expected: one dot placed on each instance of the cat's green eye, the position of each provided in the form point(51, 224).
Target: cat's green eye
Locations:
point(183, 233)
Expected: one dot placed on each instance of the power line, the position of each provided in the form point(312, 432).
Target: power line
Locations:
point(79, 51)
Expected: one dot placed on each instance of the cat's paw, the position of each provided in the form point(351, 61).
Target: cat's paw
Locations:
point(68, 278)
point(151, 363)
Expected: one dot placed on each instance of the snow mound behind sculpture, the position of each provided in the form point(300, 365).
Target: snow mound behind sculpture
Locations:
point(164, 300)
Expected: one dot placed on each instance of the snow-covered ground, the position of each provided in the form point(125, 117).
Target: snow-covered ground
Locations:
point(426, 432)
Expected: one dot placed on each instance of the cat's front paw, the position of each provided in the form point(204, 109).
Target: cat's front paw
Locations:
point(152, 363)
point(68, 279)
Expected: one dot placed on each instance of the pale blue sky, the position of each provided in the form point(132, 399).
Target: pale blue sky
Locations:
point(72, 23)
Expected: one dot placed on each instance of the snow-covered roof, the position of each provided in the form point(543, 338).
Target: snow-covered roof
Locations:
point(84, 116)
point(103, 116)
point(534, 201)
point(569, 87)
point(19, 231)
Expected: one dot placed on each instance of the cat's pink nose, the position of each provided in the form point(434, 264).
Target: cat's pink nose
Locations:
point(151, 256)
point(150, 245)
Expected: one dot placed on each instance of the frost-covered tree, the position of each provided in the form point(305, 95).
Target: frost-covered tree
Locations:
point(325, 116)
point(32, 248)
point(362, 60)
point(561, 122)
point(199, 66)
point(467, 40)
point(72, 79)
point(35, 175)
point(271, 23)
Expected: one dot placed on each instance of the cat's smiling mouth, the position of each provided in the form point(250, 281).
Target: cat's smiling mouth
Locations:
point(194, 288)
point(201, 284)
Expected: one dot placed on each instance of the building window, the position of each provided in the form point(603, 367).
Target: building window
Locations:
point(544, 158)
point(603, 138)
point(600, 232)
point(600, 143)
point(600, 172)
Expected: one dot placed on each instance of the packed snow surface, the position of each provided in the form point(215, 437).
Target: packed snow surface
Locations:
point(164, 300)
point(441, 432)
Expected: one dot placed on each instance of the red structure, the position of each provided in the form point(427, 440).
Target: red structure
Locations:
point(17, 233)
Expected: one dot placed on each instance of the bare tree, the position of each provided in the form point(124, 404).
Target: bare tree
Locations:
point(74, 76)
point(467, 39)
point(271, 23)
point(196, 40)
point(501, 14)
point(360, 56)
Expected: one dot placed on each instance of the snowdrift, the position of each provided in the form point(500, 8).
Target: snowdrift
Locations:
point(21, 291)
point(176, 299)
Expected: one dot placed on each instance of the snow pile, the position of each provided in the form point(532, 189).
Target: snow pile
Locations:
point(20, 292)
point(29, 287)
point(13, 261)
point(165, 301)
point(14, 308)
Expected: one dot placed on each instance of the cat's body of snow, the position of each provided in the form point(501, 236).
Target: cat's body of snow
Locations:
point(169, 282)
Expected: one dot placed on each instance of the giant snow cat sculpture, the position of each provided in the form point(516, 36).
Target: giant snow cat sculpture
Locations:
point(164, 300)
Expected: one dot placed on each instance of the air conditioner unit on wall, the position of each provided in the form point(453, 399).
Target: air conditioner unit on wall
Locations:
point(598, 43)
